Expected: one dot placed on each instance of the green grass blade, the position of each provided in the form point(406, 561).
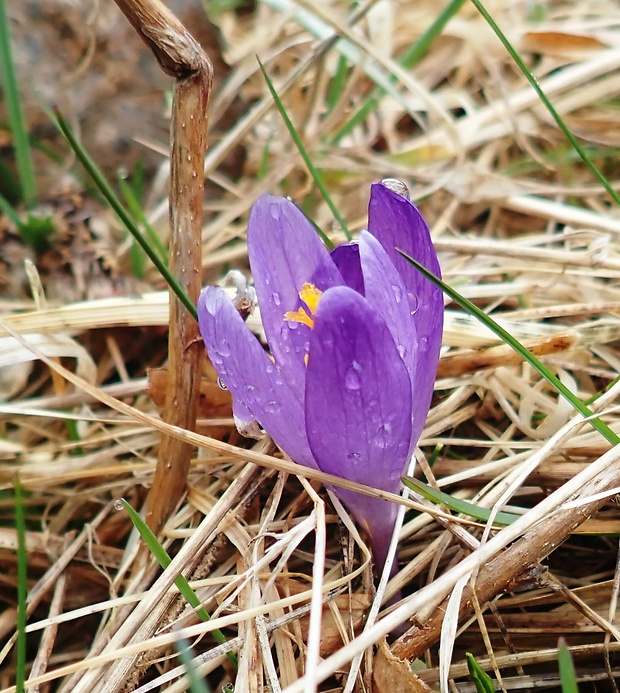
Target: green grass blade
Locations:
point(548, 105)
point(417, 51)
point(106, 190)
point(457, 505)
point(15, 112)
point(135, 208)
point(338, 83)
point(506, 337)
point(196, 684)
point(316, 176)
point(482, 681)
point(164, 560)
point(568, 675)
point(22, 586)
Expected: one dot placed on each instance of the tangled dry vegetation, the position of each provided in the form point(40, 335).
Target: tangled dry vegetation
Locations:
point(523, 230)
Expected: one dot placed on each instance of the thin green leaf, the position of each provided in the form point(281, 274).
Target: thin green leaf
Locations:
point(505, 336)
point(135, 208)
point(482, 681)
point(106, 190)
point(548, 105)
point(22, 586)
point(196, 683)
point(164, 560)
point(338, 83)
point(10, 212)
point(15, 112)
point(457, 505)
point(316, 176)
point(568, 675)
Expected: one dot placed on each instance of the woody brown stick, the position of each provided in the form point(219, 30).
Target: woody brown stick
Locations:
point(180, 56)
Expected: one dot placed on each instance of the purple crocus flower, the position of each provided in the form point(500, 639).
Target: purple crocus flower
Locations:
point(354, 338)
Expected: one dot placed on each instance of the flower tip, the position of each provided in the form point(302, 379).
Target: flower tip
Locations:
point(396, 186)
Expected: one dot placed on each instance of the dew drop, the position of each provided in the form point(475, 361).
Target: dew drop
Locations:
point(267, 281)
point(396, 186)
point(272, 407)
point(354, 455)
point(398, 293)
point(293, 325)
point(413, 303)
point(221, 384)
point(356, 366)
point(385, 428)
point(250, 388)
point(270, 368)
point(352, 379)
point(119, 504)
point(274, 210)
point(276, 299)
point(402, 350)
point(223, 348)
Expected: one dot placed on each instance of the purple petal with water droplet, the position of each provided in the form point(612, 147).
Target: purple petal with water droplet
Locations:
point(397, 223)
point(285, 253)
point(257, 387)
point(387, 294)
point(358, 404)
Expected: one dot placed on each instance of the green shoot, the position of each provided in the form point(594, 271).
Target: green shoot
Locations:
point(316, 176)
point(548, 105)
point(106, 190)
point(164, 560)
point(17, 122)
point(506, 337)
point(22, 585)
point(482, 681)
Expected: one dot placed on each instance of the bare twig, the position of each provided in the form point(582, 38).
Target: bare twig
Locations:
point(181, 57)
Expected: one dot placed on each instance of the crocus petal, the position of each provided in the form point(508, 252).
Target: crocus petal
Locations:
point(396, 223)
point(251, 376)
point(347, 259)
point(387, 294)
point(285, 253)
point(358, 403)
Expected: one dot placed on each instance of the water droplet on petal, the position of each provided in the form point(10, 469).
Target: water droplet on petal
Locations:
point(250, 388)
point(274, 210)
point(276, 299)
point(402, 350)
point(221, 384)
point(224, 348)
point(385, 429)
point(354, 456)
point(413, 303)
point(272, 407)
point(398, 293)
point(269, 368)
point(293, 325)
point(352, 379)
point(396, 186)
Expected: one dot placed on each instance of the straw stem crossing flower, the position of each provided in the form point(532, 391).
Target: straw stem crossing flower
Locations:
point(354, 338)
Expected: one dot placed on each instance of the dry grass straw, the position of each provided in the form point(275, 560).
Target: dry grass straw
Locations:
point(522, 231)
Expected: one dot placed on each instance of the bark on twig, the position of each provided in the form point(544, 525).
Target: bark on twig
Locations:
point(181, 57)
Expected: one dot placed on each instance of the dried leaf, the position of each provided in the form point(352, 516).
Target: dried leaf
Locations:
point(393, 675)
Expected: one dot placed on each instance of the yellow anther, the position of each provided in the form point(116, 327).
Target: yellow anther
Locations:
point(310, 295)
point(299, 315)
